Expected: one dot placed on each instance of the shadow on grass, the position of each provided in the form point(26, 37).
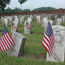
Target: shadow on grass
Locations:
point(37, 32)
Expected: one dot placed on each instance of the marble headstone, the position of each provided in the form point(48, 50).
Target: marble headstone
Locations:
point(58, 21)
point(63, 17)
point(26, 31)
point(29, 20)
point(9, 19)
point(6, 22)
point(21, 20)
point(18, 48)
point(13, 28)
point(38, 18)
point(16, 22)
point(51, 22)
point(58, 53)
point(44, 22)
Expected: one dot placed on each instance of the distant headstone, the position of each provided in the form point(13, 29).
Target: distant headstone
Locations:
point(21, 20)
point(9, 19)
point(59, 21)
point(31, 17)
point(16, 22)
point(45, 22)
point(18, 48)
point(6, 22)
point(59, 48)
point(63, 17)
point(13, 27)
point(38, 18)
point(29, 20)
point(51, 22)
point(27, 27)
point(49, 16)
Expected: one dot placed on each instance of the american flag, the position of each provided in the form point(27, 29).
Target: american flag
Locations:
point(6, 40)
point(37, 20)
point(48, 40)
point(13, 27)
point(28, 25)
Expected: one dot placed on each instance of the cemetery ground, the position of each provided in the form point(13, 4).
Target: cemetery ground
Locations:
point(34, 53)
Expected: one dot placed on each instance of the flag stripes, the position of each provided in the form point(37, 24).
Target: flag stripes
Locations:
point(6, 42)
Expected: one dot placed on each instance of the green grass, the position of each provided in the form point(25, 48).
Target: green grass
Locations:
point(34, 53)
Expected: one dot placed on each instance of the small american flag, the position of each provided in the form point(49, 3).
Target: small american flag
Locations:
point(13, 27)
point(27, 25)
point(6, 40)
point(48, 40)
point(37, 20)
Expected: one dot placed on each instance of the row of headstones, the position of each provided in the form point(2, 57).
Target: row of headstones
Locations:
point(19, 39)
point(28, 23)
point(39, 19)
point(57, 56)
point(11, 19)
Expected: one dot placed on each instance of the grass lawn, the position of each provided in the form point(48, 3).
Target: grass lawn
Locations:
point(34, 53)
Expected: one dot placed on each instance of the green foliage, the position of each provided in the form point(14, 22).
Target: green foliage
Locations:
point(4, 2)
point(9, 10)
point(26, 10)
point(22, 1)
point(44, 9)
point(7, 1)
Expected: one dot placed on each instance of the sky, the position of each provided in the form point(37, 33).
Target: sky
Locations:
point(32, 4)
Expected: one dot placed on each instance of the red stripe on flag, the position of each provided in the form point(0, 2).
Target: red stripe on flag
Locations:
point(46, 43)
point(3, 37)
point(9, 39)
point(2, 48)
point(4, 43)
point(45, 47)
point(51, 44)
point(46, 39)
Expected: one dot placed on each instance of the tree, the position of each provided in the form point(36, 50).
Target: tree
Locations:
point(3, 4)
point(21, 2)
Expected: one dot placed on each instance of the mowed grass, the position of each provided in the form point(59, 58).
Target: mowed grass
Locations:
point(34, 53)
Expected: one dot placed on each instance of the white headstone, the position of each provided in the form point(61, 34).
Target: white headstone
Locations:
point(38, 18)
point(16, 21)
point(6, 21)
point(59, 21)
point(45, 22)
point(9, 19)
point(29, 20)
point(58, 49)
point(13, 27)
point(18, 48)
point(21, 20)
point(63, 17)
point(51, 22)
point(27, 30)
